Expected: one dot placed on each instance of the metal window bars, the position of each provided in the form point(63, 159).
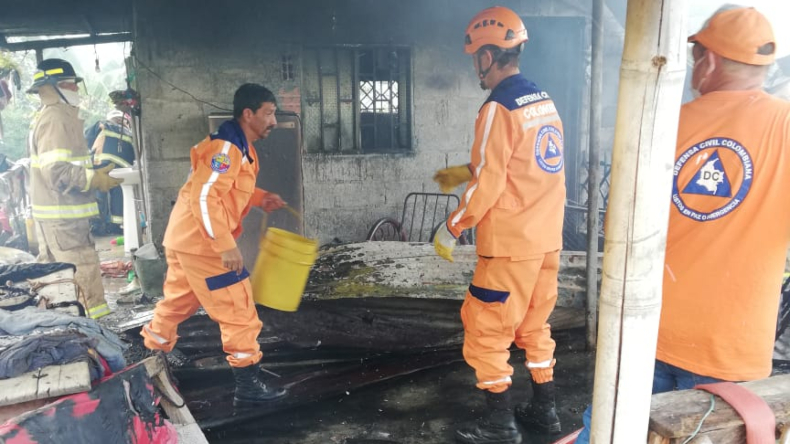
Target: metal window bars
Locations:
point(357, 99)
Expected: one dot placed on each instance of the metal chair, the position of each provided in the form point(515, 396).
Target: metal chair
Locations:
point(422, 215)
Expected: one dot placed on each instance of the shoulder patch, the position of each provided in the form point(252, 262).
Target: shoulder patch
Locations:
point(220, 163)
point(548, 149)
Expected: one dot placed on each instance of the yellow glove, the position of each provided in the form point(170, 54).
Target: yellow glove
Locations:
point(449, 178)
point(100, 179)
point(444, 243)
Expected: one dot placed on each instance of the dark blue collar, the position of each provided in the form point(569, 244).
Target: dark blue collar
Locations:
point(508, 83)
point(230, 131)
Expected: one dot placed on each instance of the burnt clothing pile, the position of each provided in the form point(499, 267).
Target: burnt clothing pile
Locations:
point(16, 293)
point(57, 348)
point(32, 338)
point(22, 272)
point(14, 298)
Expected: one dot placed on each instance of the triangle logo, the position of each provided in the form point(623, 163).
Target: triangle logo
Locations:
point(710, 179)
point(552, 150)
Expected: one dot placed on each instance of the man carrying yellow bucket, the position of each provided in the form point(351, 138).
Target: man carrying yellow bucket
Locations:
point(205, 266)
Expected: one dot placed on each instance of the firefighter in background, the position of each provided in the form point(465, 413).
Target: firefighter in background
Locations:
point(111, 143)
point(205, 266)
point(63, 181)
point(515, 198)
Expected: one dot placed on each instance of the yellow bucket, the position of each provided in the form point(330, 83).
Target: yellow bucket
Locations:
point(282, 268)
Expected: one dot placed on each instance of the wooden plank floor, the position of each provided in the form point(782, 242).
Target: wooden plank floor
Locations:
point(48, 382)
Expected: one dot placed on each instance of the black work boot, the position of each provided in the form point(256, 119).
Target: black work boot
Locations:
point(496, 427)
point(540, 413)
point(250, 390)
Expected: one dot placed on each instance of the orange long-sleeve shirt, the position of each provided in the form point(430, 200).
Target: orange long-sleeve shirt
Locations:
point(516, 197)
point(219, 192)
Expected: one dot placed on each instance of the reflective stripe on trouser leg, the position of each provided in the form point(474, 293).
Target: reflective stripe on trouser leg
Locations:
point(150, 333)
point(542, 372)
point(98, 311)
point(116, 205)
point(495, 305)
point(178, 305)
point(70, 242)
point(227, 299)
point(533, 335)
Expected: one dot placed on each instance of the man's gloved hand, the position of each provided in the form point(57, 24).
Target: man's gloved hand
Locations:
point(444, 243)
point(451, 177)
point(272, 202)
point(100, 179)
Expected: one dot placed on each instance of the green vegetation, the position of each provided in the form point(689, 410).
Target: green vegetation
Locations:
point(95, 104)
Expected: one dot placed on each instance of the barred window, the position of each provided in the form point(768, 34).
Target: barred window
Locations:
point(378, 97)
point(357, 99)
point(287, 67)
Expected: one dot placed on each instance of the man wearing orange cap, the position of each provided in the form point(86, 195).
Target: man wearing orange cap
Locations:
point(729, 222)
point(516, 199)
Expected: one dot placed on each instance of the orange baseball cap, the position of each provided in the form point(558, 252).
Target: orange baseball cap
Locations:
point(738, 34)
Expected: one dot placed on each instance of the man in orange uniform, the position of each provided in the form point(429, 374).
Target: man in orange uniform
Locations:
point(205, 266)
point(729, 221)
point(516, 200)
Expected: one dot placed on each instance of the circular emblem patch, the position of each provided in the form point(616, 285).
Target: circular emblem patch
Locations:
point(548, 149)
point(220, 163)
point(711, 179)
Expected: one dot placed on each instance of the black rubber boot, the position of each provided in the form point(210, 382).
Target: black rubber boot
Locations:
point(541, 412)
point(250, 390)
point(496, 427)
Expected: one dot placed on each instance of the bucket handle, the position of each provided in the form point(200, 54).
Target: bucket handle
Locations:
point(265, 220)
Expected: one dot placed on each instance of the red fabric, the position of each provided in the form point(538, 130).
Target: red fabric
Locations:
point(115, 268)
point(21, 436)
point(757, 416)
point(4, 224)
point(83, 405)
point(73, 417)
point(570, 439)
point(107, 371)
point(142, 433)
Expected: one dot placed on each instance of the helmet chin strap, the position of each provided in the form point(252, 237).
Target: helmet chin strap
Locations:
point(484, 72)
point(57, 89)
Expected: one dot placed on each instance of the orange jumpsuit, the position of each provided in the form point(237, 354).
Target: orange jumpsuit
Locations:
point(516, 200)
point(205, 222)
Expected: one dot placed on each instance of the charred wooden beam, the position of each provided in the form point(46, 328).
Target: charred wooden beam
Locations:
point(386, 269)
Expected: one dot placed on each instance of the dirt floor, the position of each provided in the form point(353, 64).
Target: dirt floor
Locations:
point(113, 285)
point(424, 407)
